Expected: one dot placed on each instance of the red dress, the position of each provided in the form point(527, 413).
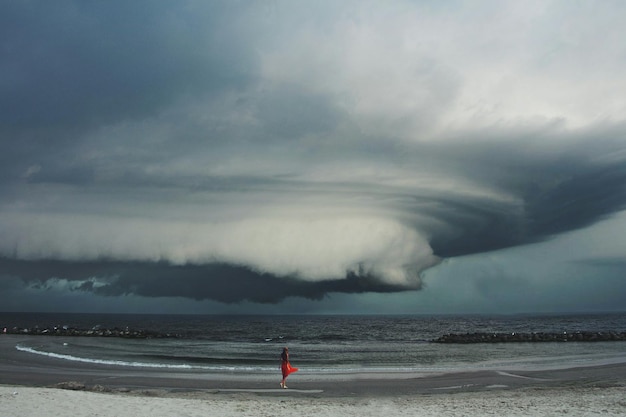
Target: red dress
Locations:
point(287, 369)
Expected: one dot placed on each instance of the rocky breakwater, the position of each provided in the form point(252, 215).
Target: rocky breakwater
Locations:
point(96, 331)
point(531, 337)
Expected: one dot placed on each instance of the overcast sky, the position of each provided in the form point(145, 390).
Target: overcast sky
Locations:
point(313, 156)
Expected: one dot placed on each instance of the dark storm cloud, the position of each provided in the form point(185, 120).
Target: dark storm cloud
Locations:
point(551, 194)
point(255, 151)
point(72, 63)
point(68, 67)
point(217, 282)
point(546, 197)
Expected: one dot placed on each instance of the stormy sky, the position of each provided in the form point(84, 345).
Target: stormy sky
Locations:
point(312, 156)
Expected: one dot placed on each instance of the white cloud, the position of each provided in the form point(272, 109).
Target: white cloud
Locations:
point(408, 70)
point(310, 247)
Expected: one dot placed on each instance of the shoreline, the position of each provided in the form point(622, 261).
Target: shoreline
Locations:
point(36, 386)
point(19, 368)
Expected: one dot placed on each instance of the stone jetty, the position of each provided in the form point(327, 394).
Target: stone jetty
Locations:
point(96, 331)
point(514, 337)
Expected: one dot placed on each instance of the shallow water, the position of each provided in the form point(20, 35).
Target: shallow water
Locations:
point(322, 344)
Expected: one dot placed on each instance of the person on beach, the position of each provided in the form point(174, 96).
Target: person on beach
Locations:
point(285, 366)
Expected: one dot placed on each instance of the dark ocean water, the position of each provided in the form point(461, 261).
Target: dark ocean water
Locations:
point(320, 344)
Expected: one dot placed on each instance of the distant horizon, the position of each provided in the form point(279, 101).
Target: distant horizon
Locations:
point(559, 313)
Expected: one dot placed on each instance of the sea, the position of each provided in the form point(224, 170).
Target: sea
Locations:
point(251, 345)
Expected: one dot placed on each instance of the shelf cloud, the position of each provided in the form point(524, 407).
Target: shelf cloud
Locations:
point(259, 151)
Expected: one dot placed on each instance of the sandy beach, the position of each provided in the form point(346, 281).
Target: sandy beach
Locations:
point(32, 385)
point(575, 401)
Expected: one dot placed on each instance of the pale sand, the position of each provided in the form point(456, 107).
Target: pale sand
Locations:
point(49, 402)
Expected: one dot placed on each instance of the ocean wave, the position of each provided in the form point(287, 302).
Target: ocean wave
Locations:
point(314, 370)
point(141, 364)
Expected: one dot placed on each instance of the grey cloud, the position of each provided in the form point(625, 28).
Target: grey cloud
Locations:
point(218, 282)
point(70, 67)
point(581, 200)
point(97, 62)
point(616, 264)
point(288, 115)
point(164, 116)
point(546, 195)
point(549, 191)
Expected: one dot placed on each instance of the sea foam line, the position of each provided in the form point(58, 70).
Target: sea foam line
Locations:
point(100, 361)
point(315, 370)
point(133, 364)
point(144, 364)
point(136, 364)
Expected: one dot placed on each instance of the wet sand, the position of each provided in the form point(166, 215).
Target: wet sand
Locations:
point(537, 392)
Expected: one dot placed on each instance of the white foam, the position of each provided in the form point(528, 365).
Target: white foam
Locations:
point(99, 361)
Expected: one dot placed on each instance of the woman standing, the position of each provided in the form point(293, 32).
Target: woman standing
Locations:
point(285, 366)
